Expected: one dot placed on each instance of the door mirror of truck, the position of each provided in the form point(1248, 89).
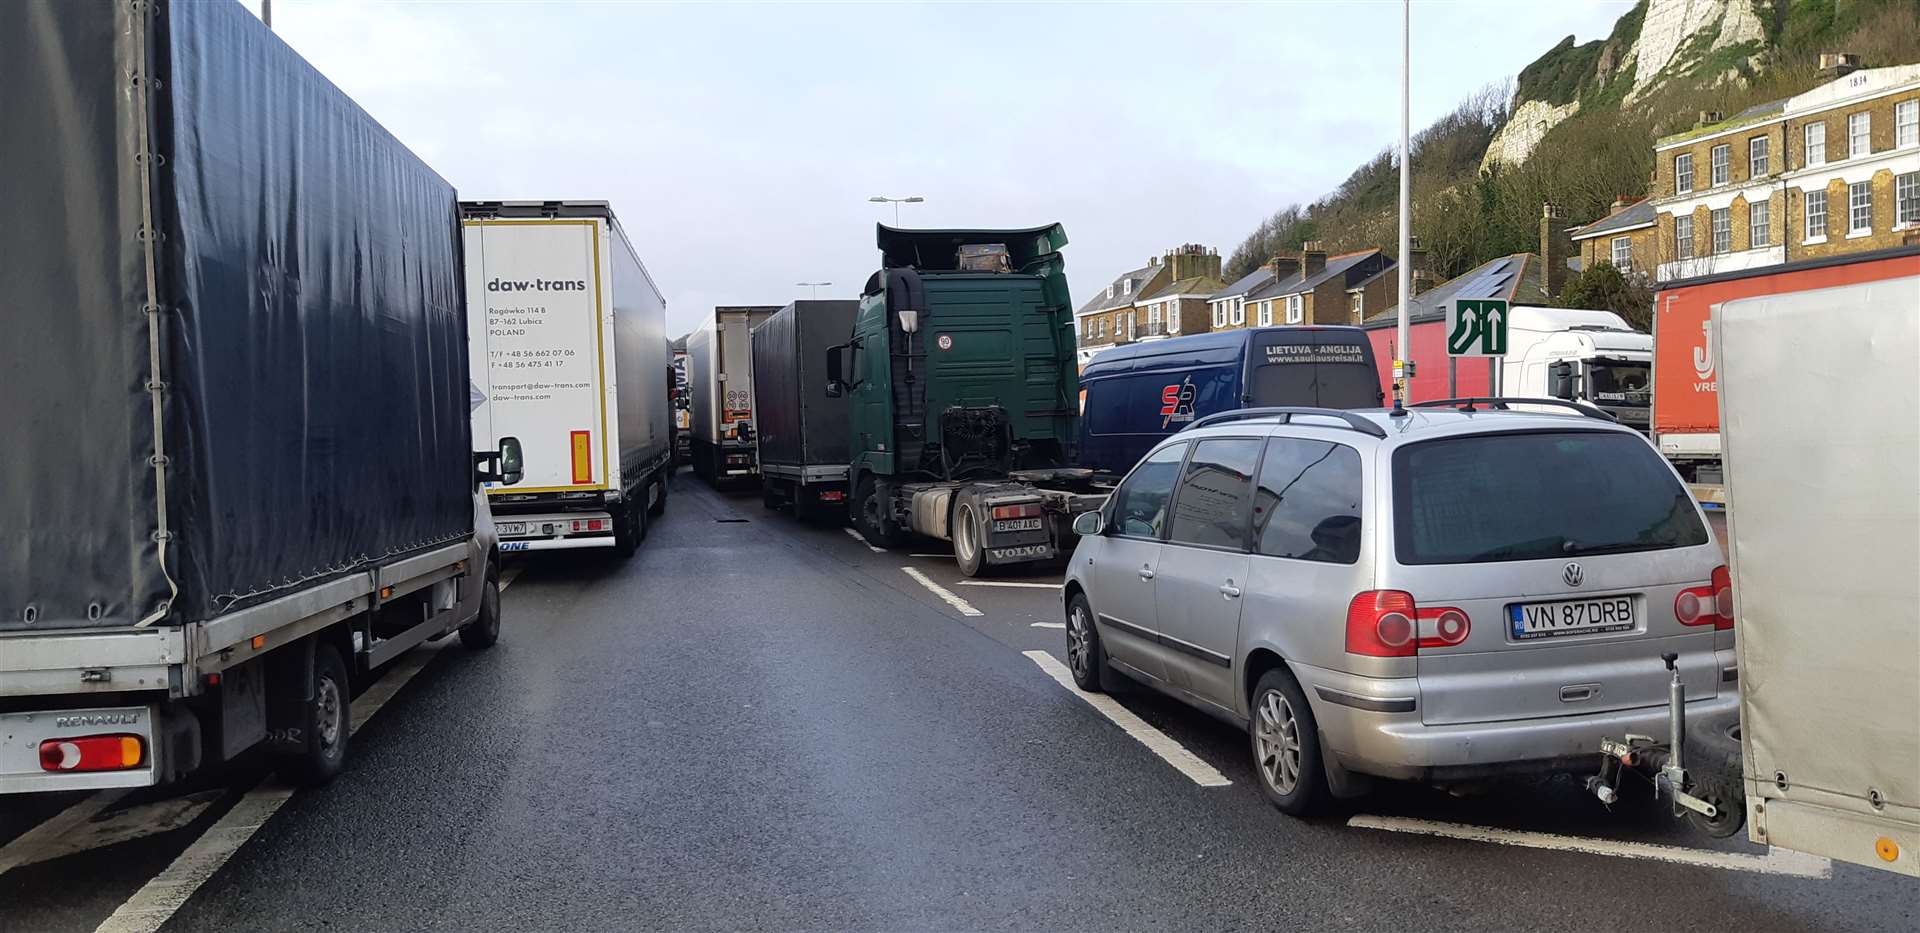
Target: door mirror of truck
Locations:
point(1560, 380)
point(1087, 524)
point(836, 370)
point(510, 461)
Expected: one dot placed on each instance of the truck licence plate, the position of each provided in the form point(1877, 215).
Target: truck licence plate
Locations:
point(1017, 524)
point(510, 528)
point(1571, 617)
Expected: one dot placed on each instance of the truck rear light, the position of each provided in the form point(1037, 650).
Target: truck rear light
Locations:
point(589, 524)
point(92, 753)
point(1722, 597)
point(1023, 510)
point(833, 495)
point(1380, 624)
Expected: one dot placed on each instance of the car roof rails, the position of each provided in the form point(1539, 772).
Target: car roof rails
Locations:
point(1286, 414)
point(1505, 404)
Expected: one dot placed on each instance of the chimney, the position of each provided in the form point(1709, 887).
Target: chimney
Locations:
point(1555, 247)
point(1708, 116)
point(1193, 260)
point(1621, 201)
point(1419, 276)
point(1313, 257)
point(1837, 65)
point(1283, 267)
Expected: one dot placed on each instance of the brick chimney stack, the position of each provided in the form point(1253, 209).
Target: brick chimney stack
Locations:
point(1555, 248)
point(1420, 276)
point(1313, 257)
point(1283, 267)
point(1193, 260)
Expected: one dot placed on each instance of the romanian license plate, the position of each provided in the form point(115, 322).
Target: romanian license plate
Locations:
point(1017, 524)
point(1571, 617)
point(510, 528)
point(1025, 552)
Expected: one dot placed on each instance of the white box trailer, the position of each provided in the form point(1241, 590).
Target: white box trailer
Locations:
point(1822, 455)
point(720, 373)
point(568, 349)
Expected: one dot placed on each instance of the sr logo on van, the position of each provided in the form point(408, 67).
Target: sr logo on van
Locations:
point(1176, 402)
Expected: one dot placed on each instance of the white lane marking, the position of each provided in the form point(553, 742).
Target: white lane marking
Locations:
point(157, 900)
point(509, 575)
point(1157, 742)
point(1049, 625)
point(25, 849)
point(857, 536)
point(148, 819)
point(1775, 862)
point(1016, 584)
point(965, 608)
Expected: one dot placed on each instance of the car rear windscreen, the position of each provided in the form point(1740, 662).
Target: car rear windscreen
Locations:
point(1528, 496)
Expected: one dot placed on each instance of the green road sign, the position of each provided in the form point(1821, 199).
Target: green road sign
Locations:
point(1477, 327)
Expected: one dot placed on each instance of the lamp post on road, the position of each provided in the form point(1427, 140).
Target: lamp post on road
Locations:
point(896, 202)
point(816, 286)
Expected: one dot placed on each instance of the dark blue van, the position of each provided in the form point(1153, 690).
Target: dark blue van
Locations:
point(1132, 396)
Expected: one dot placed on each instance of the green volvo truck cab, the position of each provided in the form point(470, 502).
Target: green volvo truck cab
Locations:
point(963, 395)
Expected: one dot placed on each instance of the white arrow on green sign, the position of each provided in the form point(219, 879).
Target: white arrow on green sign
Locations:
point(1477, 327)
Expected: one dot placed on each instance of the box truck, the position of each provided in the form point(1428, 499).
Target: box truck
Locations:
point(720, 371)
point(802, 427)
point(1575, 354)
point(963, 401)
point(570, 353)
point(1686, 410)
point(239, 474)
point(1823, 492)
point(1133, 396)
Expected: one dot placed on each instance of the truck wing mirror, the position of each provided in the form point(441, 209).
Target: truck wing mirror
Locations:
point(510, 461)
point(1087, 524)
point(1560, 380)
point(836, 370)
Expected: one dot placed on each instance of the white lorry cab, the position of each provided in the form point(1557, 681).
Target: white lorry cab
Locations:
point(1580, 355)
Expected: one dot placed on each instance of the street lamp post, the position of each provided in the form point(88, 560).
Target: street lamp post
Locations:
point(896, 202)
point(816, 286)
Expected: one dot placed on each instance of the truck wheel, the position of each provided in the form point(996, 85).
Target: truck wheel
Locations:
point(485, 630)
point(870, 514)
point(969, 539)
point(1713, 763)
point(769, 494)
point(659, 506)
point(325, 722)
point(803, 507)
point(629, 526)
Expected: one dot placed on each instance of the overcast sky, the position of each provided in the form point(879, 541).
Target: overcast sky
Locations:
point(738, 143)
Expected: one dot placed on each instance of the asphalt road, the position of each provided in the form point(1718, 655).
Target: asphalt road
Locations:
point(755, 723)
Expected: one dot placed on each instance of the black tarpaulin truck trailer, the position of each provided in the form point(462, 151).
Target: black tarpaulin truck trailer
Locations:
point(238, 470)
point(802, 429)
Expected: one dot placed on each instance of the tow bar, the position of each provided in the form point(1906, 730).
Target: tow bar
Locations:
point(1666, 763)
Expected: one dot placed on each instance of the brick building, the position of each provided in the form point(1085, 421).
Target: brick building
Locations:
point(1627, 238)
point(1164, 298)
point(1310, 288)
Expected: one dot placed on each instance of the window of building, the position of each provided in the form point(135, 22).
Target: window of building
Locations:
point(1816, 143)
point(1211, 507)
point(1239, 311)
point(1906, 123)
point(1109, 291)
point(1722, 165)
point(1683, 238)
point(1816, 214)
point(1307, 505)
point(1757, 152)
point(1906, 198)
point(1266, 313)
point(1759, 224)
point(1623, 253)
point(1722, 231)
point(1294, 313)
point(1126, 287)
point(1859, 134)
point(1219, 314)
point(1129, 325)
point(1153, 314)
point(1683, 173)
point(1860, 208)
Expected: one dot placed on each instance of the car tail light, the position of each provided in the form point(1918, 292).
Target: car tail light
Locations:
point(92, 753)
point(1023, 510)
point(1723, 597)
point(1387, 624)
point(1707, 605)
point(1380, 624)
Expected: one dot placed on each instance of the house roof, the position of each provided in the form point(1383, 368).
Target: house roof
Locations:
point(1298, 283)
point(1758, 113)
point(1245, 283)
point(1192, 285)
point(1639, 214)
point(1358, 284)
point(1515, 278)
point(1122, 297)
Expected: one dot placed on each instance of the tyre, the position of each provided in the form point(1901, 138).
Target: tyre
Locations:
point(804, 507)
point(1286, 745)
point(485, 630)
point(629, 528)
point(1713, 765)
point(324, 722)
point(769, 495)
point(969, 539)
point(870, 514)
point(659, 506)
point(1086, 657)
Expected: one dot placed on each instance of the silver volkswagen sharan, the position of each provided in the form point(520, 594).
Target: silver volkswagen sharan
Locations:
point(1443, 594)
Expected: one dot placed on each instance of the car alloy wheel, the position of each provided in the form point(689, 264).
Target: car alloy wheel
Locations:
point(1278, 735)
point(1079, 642)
